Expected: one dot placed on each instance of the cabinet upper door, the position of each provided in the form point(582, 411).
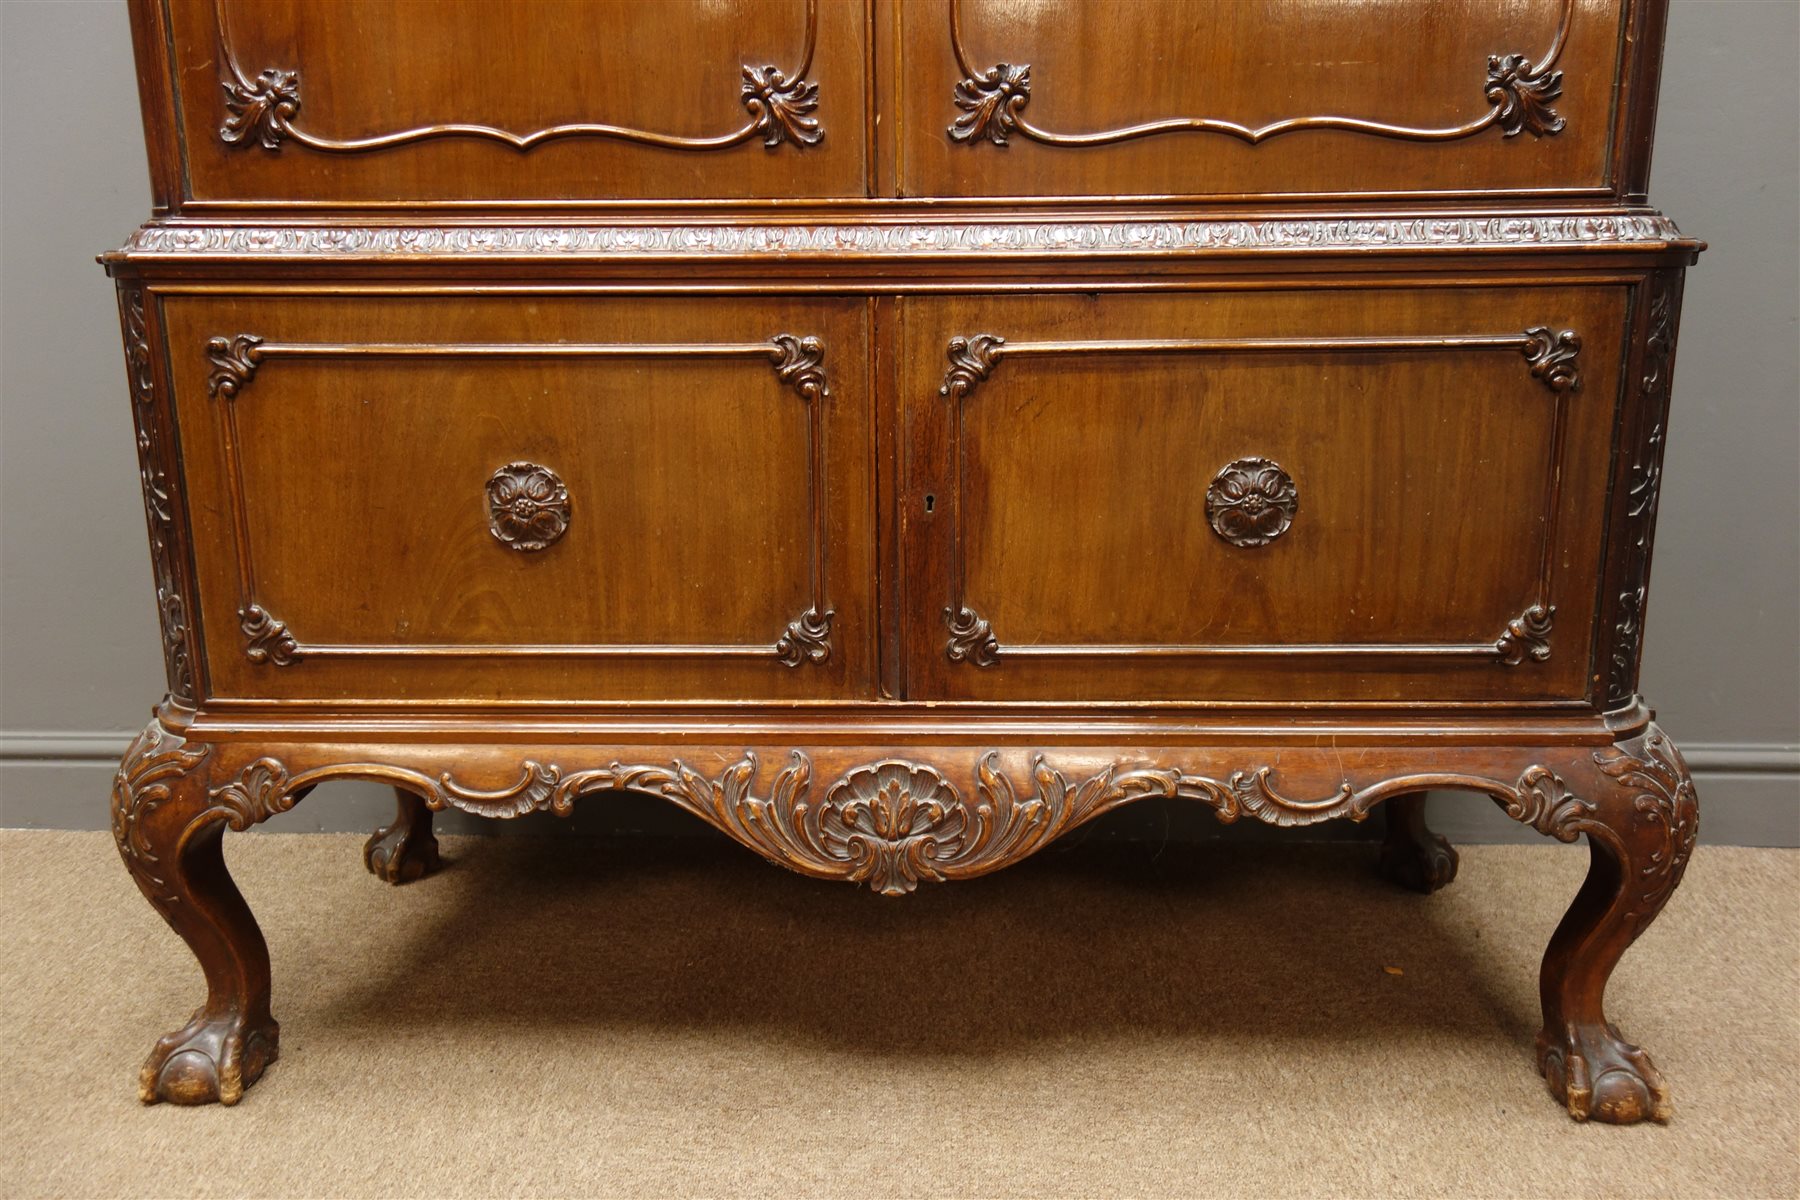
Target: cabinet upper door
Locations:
point(400, 101)
point(1266, 98)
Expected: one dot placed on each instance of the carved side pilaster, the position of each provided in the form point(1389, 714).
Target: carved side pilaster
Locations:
point(158, 473)
point(1642, 448)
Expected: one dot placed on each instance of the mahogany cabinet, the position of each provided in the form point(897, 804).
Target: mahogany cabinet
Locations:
point(896, 432)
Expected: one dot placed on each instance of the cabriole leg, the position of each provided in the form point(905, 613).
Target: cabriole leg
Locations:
point(405, 850)
point(1412, 856)
point(1640, 814)
point(169, 828)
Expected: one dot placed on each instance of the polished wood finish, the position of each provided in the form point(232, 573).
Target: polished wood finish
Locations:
point(897, 434)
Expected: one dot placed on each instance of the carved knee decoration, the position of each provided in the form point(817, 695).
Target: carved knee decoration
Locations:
point(1637, 805)
point(169, 825)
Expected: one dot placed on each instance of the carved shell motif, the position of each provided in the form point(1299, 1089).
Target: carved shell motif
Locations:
point(528, 506)
point(1251, 502)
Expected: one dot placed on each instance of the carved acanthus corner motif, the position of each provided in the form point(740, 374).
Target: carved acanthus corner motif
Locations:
point(971, 639)
point(234, 361)
point(991, 101)
point(528, 506)
point(972, 359)
point(1527, 636)
point(799, 363)
point(144, 781)
point(1522, 95)
point(807, 639)
point(1251, 502)
point(1543, 801)
point(782, 111)
point(1663, 794)
point(266, 639)
point(1551, 355)
point(261, 108)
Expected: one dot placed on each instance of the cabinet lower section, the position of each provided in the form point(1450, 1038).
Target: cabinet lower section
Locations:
point(897, 811)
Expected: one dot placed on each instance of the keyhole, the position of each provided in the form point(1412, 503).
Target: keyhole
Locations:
point(930, 501)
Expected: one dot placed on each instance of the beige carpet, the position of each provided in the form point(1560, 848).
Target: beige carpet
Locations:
point(559, 1017)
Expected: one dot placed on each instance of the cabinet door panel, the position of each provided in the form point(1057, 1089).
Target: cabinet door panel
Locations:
point(528, 498)
point(1343, 495)
point(1226, 98)
point(383, 102)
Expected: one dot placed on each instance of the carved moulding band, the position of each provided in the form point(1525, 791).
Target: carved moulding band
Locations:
point(894, 823)
point(890, 239)
point(1519, 93)
point(264, 110)
point(528, 505)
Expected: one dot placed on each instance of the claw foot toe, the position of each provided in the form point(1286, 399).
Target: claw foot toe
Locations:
point(1419, 866)
point(212, 1059)
point(1599, 1075)
point(401, 854)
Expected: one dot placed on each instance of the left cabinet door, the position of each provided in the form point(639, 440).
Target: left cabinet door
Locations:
point(385, 102)
point(559, 498)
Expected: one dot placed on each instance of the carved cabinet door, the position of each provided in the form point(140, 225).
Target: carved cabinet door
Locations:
point(380, 102)
point(553, 497)
point(1224, 98)
point(1341, 494)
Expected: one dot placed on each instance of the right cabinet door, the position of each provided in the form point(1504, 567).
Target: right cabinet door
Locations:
point(1339, 494)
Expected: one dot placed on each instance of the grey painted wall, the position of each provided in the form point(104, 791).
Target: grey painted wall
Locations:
point(79, 657)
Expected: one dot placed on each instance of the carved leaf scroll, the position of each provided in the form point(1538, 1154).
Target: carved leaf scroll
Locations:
point(808, 639)
point(972, 639)
point(896, 823)
point(1551, 355)
point(1527, 636)
point(1521, 95)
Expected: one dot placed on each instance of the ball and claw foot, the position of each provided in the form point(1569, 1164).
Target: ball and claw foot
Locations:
point(1598, 1075)
point(405, 850)
point(1412, 856)
point(211, 1059)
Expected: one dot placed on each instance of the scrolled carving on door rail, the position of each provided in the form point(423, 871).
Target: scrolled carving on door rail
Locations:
point(263, 110)
point(1519, 93)
point(895, 823)
point(528, 506)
